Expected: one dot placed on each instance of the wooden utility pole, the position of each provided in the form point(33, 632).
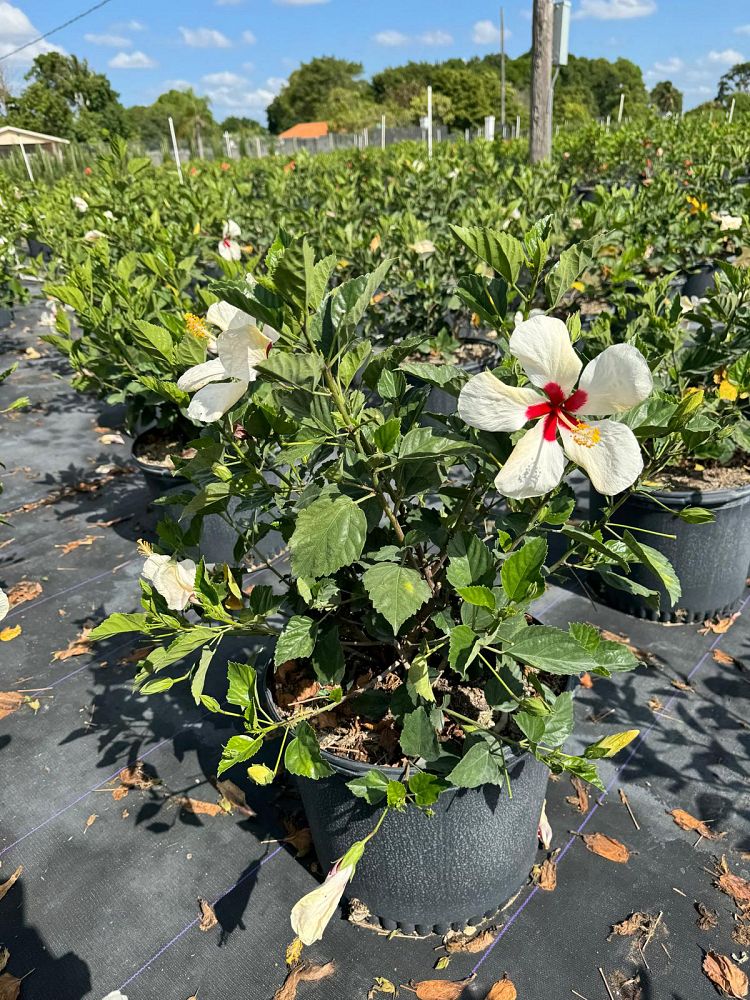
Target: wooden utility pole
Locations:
point(540, 133)
point(502, 74)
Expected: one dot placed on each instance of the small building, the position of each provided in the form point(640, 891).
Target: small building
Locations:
point(306, 130)
point(12, 137)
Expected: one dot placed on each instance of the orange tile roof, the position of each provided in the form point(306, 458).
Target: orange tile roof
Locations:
point(305, 130)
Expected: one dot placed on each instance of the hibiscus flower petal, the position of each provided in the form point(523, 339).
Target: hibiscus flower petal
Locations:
point(311, 914)
point(608, 453)
point(213, 401)
point(221, 314)
point(491, 405)
point(231, 228)
point(230, 250)
point(199, 375)
point(542, 345)
point(534, 467)
point(615, 380)
point(241, 348)
point(4, 604)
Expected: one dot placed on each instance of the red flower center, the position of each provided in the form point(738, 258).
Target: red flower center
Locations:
point(558, 408)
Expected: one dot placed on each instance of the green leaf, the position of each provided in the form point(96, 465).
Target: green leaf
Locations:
point(447, 377)
point(624, 583)
point(469, 561)
point(302, 371)
point(199, 677)
point(481, 764)
point(532, 726)
point(242, 680)
point(571, 265)
point(462, 648)
point(521, 571)
point(426, 788)
point(418, 679)
point(167, 390)
point(371, 786)
point(297, 640)
point(328, 656)
point(418, 736)
point(487, 297)
point(696, 515)
point(552, 650)
point(592, 542)
point(260, 774)
point(118, 623)
point(397, 592)
point(608, 746)
point(352, 361)
point(329, 534)
point(386, 435)
point(391, 384)
point(156, 337)
point(396, 795)
point(391, 357)
point(501, 251)
point(303, 755)
point(237, 750)
point(657, 562)
point(480, 597)
point(558, 724)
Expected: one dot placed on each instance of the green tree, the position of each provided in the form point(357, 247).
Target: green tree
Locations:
point(735, 80)
point(190, 113)
point(349, 111)
point(309, 89)
point(666, 98)
point(65, 97)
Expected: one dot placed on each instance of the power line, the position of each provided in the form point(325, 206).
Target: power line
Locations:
point(52, 31)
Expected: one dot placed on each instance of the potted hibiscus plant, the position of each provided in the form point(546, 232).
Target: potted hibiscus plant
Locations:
point(394, 666)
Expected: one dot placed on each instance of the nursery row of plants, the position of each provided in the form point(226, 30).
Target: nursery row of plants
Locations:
point(392, 370)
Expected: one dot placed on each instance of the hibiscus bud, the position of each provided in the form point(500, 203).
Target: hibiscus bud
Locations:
point(544, 831)
point(239, 433)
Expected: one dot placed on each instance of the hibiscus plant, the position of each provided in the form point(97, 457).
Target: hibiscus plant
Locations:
point(417, 541)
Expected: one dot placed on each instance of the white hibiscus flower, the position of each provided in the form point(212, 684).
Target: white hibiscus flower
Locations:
point(80, 203)
point(220, 383)
point(613, 382)
point(311, 915)
point(229, 248)
point(4, 604)
point(173, 579)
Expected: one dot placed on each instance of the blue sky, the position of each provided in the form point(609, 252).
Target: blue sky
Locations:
point(239, 52)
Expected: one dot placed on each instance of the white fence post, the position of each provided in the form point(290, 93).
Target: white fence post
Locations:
point(429, 123)
point(731, 112)
point(26, 161)
point(175, 150)
point(518, 126)
point(620, 109)
point(382, 131)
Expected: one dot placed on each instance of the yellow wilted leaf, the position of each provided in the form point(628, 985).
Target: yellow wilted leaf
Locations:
point(578, 285)
point(260, 774)
point(381, 985)
point(727, 390)
point(196, 229)
point(375, 242)
point(10, 632)
point(608, 746)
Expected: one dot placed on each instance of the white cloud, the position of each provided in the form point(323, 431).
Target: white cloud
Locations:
point(742, 29)
point(727, 57)
point(129, 26)
point(249, 38)
point(390, 37)
point(174, 85)
point(436, 37)
point(615, 10)
point(131, 60)
point(487, 33)
point(672, 65)
point(239, 95)
point(204, 38)
point(299, 3)
point(114, 41)
point(15, 30)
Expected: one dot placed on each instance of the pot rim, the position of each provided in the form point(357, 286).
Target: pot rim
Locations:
point(160, 471)
point(687, 498)
point(344, 765)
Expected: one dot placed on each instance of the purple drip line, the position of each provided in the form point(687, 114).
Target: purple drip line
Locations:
point(192, 923)
point(80, 798)
point(600, 801)
point(68, 590)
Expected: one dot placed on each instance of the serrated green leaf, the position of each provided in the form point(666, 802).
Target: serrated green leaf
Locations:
point(397, 592)
point(238, 749)
point(297, 640)
point(418, 736)
point(521, 571)
point(303, 756)
point(329, 534)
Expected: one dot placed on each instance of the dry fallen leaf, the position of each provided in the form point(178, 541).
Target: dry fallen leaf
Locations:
point(32, 354)
point(10, 701)
point(9, 632)
point(379, 987)
point(585, 681)
point(682, 686)
point(198, 807)
point(725, 975)
point(720, 627)
point(4, 956)
point(633, 924)
point(77, 543)
point(547, 875)
point(606, 847)
point(134, 776)
point(90, 821)
point(655, 704)
point(470, 943)
point(707, 919)
point(234, 795)
point(24, 590)
point(208, 917)
point(305, 973)
point(687, 822)
point(111, 439)
point(9, 883)
point(76, 647)
point(440, 989)
point(724, 658)
point(581, 799)
point(502, 990)
point(10, 987)
point(120, 792)
point(733, 885)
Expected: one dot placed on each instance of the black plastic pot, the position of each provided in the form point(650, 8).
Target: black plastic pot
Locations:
point(6, 317)
point(698, 281)
point(426, 873)
point(711, 559)
point(37, 248)
point(158, 478)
